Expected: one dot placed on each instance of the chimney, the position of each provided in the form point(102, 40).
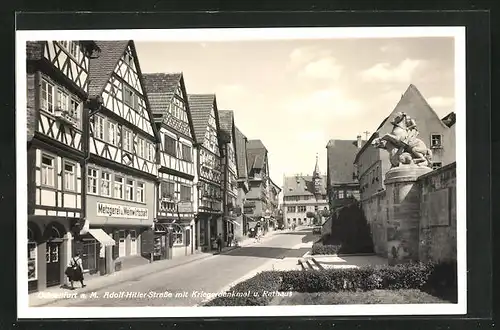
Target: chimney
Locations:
point(359, 141)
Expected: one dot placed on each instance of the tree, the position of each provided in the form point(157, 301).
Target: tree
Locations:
point(310, 214)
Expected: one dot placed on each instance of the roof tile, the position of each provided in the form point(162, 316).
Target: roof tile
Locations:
point(241, 151)
point(340, 158)
point(256, 154)
point(301, 185)
point(101, 68)
point(200, 105)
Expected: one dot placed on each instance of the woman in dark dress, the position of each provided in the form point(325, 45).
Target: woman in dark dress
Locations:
point(76, 273)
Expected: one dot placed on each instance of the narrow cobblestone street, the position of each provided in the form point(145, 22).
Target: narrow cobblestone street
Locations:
point(187, 285)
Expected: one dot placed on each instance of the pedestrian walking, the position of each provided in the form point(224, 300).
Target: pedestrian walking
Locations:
point(219, 242)
point(74, 271)
point(229, 239)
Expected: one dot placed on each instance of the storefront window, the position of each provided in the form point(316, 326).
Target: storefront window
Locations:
point(177, 236)
point(32, 254)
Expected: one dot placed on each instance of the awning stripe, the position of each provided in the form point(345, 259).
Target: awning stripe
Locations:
point(102, 237)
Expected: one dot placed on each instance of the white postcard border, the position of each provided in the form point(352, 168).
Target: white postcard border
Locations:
point(206, 35)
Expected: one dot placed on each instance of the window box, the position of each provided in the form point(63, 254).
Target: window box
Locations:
point(65, 116)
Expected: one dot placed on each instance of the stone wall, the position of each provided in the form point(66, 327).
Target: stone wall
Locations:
point(435, 193)
point(438, 223)
point(375, 210)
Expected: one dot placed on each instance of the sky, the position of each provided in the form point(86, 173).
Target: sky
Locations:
point(295, 95)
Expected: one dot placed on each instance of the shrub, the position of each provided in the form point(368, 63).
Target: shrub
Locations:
point(443, 281)
point(266, 281)
point(409, 276)
point(319, 248)
point(436, 279)
point(350, 227)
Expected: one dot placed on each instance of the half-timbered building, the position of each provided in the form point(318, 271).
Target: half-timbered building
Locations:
point(257, 199)
point(174, 226)
point(229, 177)
point(243, 186)
point(57, 87)
point(121, 172)
point(206, 127)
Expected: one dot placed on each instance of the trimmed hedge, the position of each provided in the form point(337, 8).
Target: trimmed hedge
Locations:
point(437, 279)
point(269, 281)
point(408, 276)
point(319, 248)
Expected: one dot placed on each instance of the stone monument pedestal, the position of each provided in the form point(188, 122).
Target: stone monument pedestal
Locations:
point(403, 212)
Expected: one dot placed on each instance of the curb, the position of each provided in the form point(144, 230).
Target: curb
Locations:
point(245, 277)
point(241, 279)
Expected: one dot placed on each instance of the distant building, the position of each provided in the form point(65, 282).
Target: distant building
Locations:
point(342, 183)
point(229, 175)
point(257, 198)
point(372, 163)
point(243, 187)
point(303, 194)
point(273, 206)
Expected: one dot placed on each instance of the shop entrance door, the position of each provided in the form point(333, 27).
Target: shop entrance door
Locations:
point(122, 252)
point(133, 243)
point(52, 248)
point(53, 263)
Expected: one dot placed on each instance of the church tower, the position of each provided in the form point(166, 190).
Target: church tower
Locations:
point(317, 179)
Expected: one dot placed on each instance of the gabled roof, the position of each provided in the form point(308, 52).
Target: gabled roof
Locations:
point(340, 158)
point(101, 68)
point(241, 152)
point(278, 188)
point(226, 121)
point(201, 105)
point(256, 154)
point(301, 185)
point(161, 88)
point(410, 100)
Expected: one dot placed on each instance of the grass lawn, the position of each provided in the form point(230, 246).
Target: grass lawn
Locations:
point(368, 297)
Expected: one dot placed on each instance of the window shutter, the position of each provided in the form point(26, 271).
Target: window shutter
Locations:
point(187, 237)
point(115, 247)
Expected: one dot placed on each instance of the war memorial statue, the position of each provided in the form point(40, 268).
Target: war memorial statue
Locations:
point(410, 158)
point(403, 144)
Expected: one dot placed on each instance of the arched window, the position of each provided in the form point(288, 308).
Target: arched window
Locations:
point(32, 256)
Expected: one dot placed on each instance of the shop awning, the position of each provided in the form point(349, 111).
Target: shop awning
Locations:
point(234, 222)
point(102, 237)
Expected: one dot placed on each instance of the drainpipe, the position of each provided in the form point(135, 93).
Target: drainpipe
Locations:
point(91, 107)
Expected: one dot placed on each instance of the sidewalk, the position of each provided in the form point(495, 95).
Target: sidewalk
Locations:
point(94, 283)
